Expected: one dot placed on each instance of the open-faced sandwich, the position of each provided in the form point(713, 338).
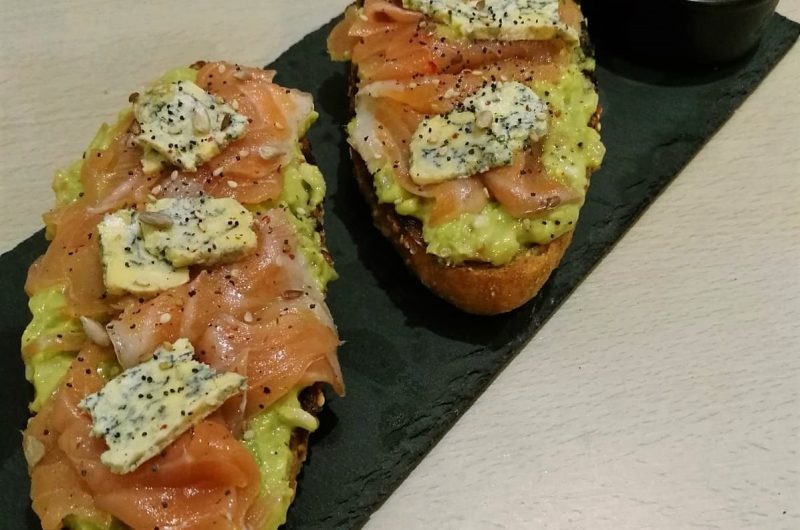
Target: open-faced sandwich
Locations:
point(475, 132)
point(180, 337)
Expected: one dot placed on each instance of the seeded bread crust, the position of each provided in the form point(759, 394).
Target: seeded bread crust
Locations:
point(312, 398)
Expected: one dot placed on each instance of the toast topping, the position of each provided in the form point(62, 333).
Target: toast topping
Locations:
point(127, 266)
point(507, 20)
point(482, 132)
point(198, 230)
point(149, 406)
point(184, 125)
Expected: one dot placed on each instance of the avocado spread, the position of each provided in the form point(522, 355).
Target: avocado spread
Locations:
point(268, 433)
point(570, 150)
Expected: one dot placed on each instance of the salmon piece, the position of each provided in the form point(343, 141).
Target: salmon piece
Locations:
point(438, 94)
point(390, 12)
point(452, 198)
point(205, 480)
point(399, 44)
point(390, 125)
point(407, 72)
point(340, 41)
point(273, 353)
point(524, 188)
point(274, 112)
point(570, 13)
point(57, 488)
point(73, 258)
point(57, 491)
point(114, 178)
point(111, 180)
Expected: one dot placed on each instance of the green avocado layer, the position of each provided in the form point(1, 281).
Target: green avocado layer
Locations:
point(268, 433)
point(268, 436)
point(570, 150)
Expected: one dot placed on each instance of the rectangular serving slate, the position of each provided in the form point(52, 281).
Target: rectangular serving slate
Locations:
point(412, 363)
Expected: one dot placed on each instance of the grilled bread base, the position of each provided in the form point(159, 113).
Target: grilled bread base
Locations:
point(311, 398)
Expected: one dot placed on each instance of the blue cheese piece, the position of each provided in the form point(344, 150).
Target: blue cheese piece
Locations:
point(184, 125)
point(127, 266)
point(199, 231)
point(482, 132)
point(507, 20)
point(147, 407)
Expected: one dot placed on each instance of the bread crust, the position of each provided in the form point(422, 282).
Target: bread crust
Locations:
point(312, 400)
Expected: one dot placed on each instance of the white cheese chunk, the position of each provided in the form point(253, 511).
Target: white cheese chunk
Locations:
point(482, 132)
point(507, 20)
point(147, 407)
point(204, 231)
point(184, 124)
point(127, 266)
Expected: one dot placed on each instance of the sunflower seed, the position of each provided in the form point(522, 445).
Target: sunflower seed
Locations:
point(157, 219)
point(484, 119)
point(292, 294)
point(95, 331)
point(200, 120)
point(268, 152)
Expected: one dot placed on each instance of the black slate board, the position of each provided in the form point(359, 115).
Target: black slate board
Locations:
point(412, 363)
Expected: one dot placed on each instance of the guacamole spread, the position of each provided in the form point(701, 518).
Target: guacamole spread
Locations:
point(570, 150)
point(268, 434)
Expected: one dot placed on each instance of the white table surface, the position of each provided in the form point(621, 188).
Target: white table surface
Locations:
point(664, 394)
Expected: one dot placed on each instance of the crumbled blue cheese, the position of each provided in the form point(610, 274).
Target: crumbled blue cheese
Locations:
point(185, 125)
point(482, 132)
point(127, 266)
point(203, 231)
point(507, 20)
point(147, 407)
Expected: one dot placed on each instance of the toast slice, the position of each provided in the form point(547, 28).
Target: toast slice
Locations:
point(271, 292)
point(474, 287)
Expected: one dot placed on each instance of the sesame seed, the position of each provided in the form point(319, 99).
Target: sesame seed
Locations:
point(232, 184)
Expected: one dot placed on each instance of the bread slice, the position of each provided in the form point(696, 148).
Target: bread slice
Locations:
point(475, 287)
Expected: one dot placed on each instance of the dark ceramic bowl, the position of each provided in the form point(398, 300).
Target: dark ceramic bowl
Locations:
point(691, 31)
